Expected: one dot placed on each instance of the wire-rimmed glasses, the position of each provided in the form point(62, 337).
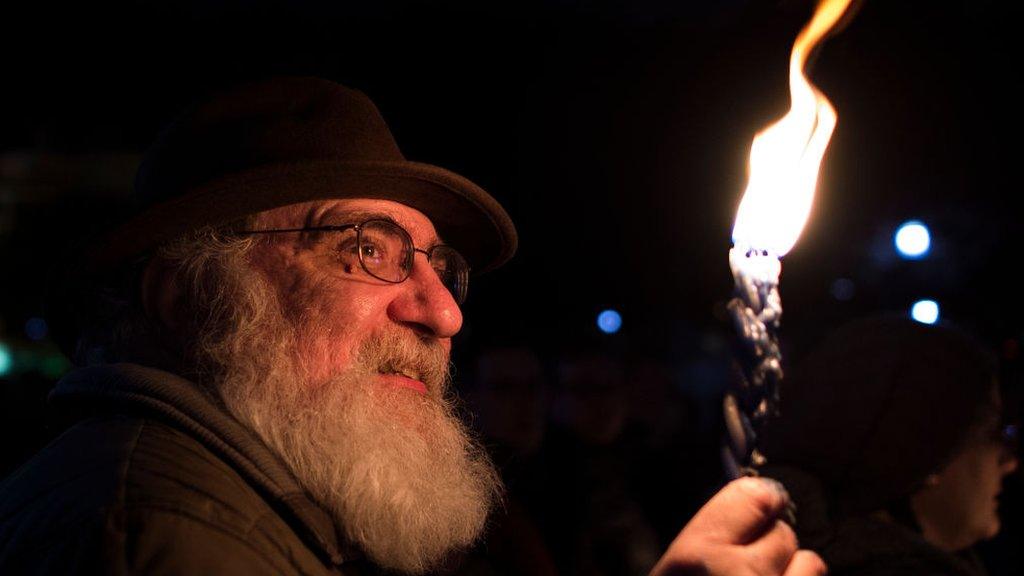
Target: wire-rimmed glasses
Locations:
point(385, 251)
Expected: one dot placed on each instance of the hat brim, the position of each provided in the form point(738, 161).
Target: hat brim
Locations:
point(464, 215)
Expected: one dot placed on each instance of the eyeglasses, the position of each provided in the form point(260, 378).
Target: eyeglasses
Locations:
point(385, 251)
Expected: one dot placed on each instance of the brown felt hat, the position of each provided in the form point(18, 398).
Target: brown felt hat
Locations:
point(289, 140)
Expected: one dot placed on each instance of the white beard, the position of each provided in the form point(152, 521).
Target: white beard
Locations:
point(396, 469)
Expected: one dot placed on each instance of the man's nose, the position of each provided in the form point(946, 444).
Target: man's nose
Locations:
point(425, 304)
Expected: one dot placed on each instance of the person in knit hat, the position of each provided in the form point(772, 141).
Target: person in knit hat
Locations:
point(890, 442)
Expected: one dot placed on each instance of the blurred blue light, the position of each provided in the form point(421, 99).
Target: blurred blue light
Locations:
point(925, 311)
point(913, 240)
point(6, 361)
point(36, 329)
point(843, 289)
point(609, 321)
point(1011, 433)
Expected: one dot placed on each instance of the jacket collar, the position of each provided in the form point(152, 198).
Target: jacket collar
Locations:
point(197, 413)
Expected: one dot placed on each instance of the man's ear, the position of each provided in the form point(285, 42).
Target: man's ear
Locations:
point(161, 294)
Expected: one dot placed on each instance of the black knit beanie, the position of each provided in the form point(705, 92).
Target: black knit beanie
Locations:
point(877, 407)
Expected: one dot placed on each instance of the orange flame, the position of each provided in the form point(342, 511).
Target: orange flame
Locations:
point(785, 157)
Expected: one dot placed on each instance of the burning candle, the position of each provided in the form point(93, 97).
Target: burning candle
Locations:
point(785, 159)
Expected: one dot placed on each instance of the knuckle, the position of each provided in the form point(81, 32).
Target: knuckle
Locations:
point(759, 492)
point(749, 484)
point(756, 561)
point(788, 536)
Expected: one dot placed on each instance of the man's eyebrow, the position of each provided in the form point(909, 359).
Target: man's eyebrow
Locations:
point(343, 217)
point(339, 217)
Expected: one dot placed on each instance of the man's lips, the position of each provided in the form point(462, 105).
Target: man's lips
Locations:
point(400, 381)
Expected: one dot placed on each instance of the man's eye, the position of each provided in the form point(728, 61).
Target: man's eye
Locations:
point(372, 253)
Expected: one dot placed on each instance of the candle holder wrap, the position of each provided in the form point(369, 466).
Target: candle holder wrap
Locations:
point(754, 396)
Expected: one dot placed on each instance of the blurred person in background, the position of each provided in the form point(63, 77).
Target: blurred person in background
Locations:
point(593, 522)
point(893, 444)
point(508, 393)
point(672, 467)
point(506, 390)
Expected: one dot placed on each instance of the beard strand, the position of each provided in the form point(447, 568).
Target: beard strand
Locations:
point(397, 470)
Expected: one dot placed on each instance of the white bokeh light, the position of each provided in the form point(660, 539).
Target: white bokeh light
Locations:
point(925, 311)
point(913, 240)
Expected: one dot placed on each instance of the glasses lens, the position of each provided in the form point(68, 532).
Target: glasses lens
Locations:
point(385, 250)
point(452, 269)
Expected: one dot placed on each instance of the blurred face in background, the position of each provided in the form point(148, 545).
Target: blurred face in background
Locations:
point(509, 398)
point(592, 401)
point(959, 505)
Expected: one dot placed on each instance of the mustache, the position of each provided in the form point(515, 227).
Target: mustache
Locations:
point(395, 350)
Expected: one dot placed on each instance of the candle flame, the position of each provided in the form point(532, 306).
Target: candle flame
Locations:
point(785, 157)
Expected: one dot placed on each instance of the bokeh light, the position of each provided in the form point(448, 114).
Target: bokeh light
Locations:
point(36, 329)
point(609, 321)
point(6, 360)
point(843, 289)
point(925, 311)
point(913, 240)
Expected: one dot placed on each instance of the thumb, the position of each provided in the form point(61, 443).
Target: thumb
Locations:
point(741, 511)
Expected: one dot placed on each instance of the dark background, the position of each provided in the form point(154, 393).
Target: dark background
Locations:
point(615, 133)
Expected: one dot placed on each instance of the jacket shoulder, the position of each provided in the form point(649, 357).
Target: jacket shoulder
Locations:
point(128, 494)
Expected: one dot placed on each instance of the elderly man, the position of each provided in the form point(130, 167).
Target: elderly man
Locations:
point(268, 338)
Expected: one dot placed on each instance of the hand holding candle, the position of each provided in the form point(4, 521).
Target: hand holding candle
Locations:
point(739, 532)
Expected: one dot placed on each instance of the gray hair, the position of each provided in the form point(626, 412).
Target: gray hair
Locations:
point(115, 326)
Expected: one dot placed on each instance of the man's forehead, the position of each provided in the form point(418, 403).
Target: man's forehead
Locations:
point(352, 211)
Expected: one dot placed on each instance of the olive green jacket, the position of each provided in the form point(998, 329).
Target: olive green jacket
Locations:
point(154, 477)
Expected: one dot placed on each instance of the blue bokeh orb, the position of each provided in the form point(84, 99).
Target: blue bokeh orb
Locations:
point(609, 321)
point(843, 289)
point(36, 329)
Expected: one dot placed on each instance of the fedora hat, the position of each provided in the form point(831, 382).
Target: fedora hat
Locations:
point(288, 140)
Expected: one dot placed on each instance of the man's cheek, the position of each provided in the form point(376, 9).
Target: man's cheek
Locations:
point(323, 357)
